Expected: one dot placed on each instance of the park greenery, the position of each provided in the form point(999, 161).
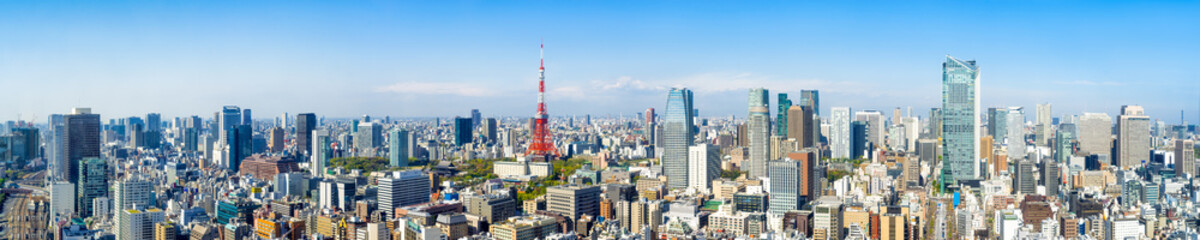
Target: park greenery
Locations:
point(562, 170)
point(474, 171)
point(366, 164)
point(728, 174)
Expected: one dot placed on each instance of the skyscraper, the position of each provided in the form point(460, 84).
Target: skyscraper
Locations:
point(677, 134)
point(802, 126)
point(93, 183)
point(785, 186)
point(839, 132)
point(858, 139)
point(305, 123)
point(368, 137)
point(1133, 137)
point(320, 153)
point(960, 120)
point(1017, 147)
point(704, 166)
point(463, 131)
point(476, 118)
point(1095, 134)
point(781, 118)
point(82, 141)
point(812, 99)
point(759, 135)
point(231, 117)
point(1064, 143)
point(875, 126)
point(1185, 158)
point(998, 124)
point(1043, 125)
point(489, 130)
point(398, 147)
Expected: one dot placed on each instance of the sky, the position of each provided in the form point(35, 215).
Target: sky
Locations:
point(604, 58)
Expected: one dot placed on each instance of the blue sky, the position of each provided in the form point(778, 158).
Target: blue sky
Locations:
point(443, 58)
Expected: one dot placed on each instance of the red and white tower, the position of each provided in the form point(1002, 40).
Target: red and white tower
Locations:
point(541, 147)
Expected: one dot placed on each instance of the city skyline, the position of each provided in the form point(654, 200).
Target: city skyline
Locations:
point(381, 59)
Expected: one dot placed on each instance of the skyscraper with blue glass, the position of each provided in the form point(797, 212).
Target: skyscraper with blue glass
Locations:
point(759, 126)
point(960, 120)
point(677, 136)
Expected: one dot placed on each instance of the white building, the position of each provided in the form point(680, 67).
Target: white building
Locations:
point(62, 199)
point(403, 188)
point(704, 165)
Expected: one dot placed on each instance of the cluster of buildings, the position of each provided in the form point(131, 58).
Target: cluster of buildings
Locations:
point(786, 171)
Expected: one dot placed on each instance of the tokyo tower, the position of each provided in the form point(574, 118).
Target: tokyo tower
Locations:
point(541, 147)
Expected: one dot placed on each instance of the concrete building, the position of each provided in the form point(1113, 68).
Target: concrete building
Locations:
point(137, 224)
point(403, 188)
point(839, 132)
point(524, 228)
point(1133, 137)
point(573, 201)
point(704, 165)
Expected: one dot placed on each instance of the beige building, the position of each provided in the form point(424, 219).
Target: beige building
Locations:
point(524, 228)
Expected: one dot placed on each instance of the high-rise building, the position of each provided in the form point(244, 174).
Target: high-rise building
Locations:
point(1095, 134)
point(802, 122)
point(276, 141)
point(403, 188)
point(960, 120)
point(758, 133)
point(781, 118)
point(62, 199)
point(785, 183)
point(1024, 183)
point(305, 124)
point(997, 124)
point(489, 129)
point(812, 100)
point(860, 141)
point(875, 126)
point(1051, 177)
point(238, 145)
point(1133, 137)
point(368, 137)
point(476, 118)
point(704, 166)
point(398, 150)
point(649, 128)
point(839, 132)
point(759, 141)
point(1043, 125)
point(678, 135)
point(463, 131)
point(1064, 142)
point(573, 201)
point(1185, 158)
point(1017, 146)
point(82, 140)
point(132, 193)
point(935, 123)
point(93, 183)
point(321, 152)
point(231, 117)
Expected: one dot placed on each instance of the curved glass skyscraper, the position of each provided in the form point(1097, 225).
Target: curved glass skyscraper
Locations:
point(677, 136)
point(960, 120)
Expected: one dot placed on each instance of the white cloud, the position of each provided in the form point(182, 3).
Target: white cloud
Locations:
point(439, 88)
